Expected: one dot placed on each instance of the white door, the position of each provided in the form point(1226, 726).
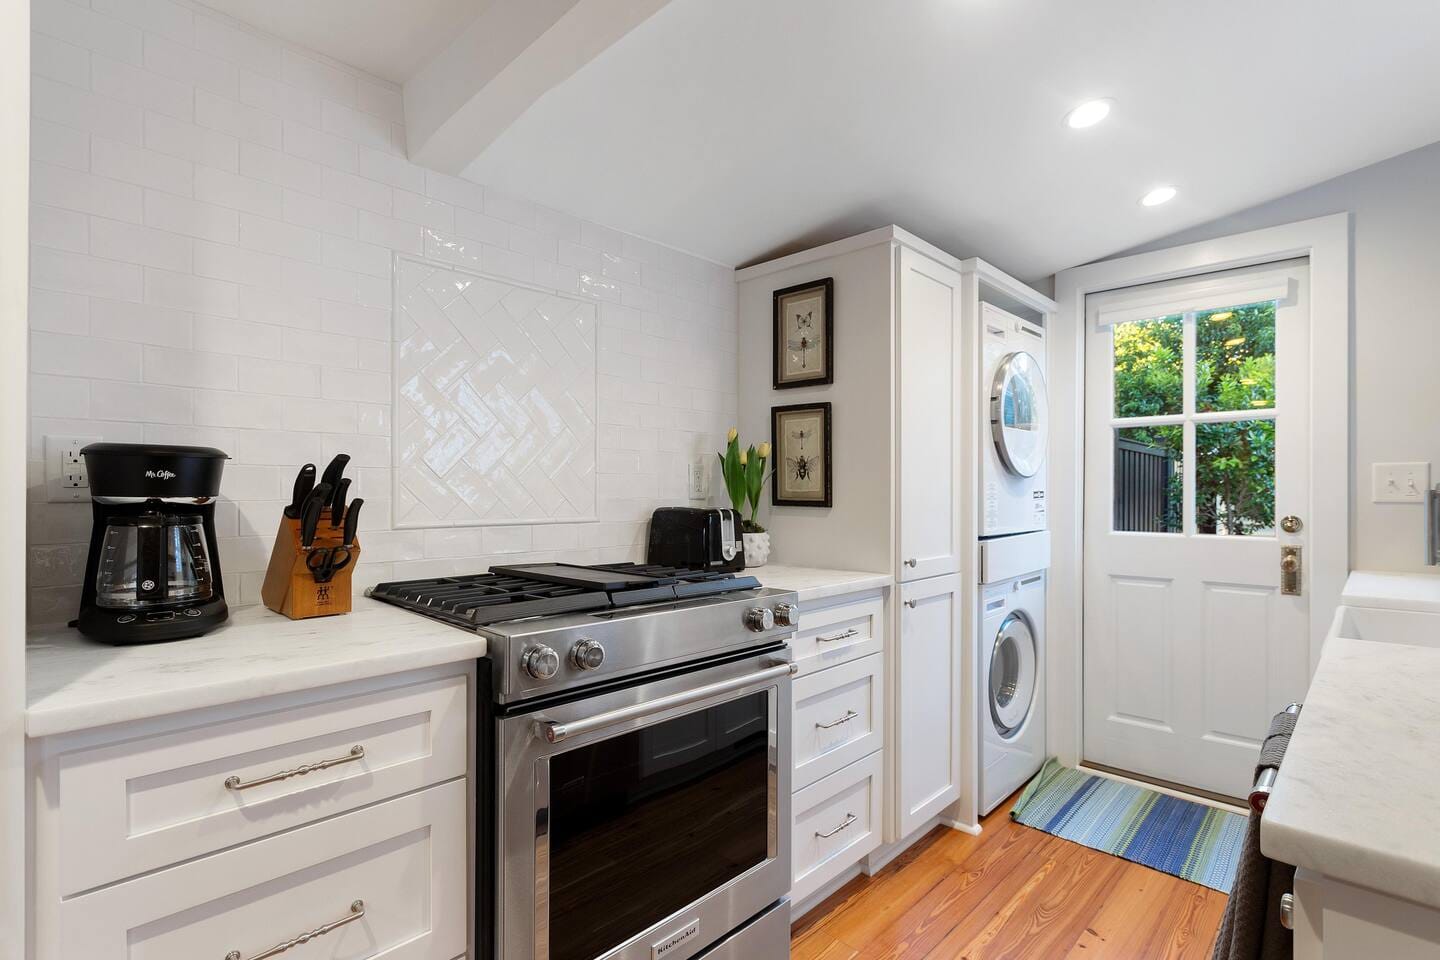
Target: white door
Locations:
point(928, 701)
point(1196, 446)
point(929, 331)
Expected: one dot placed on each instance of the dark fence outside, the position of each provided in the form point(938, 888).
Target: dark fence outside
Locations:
point(1143, 495)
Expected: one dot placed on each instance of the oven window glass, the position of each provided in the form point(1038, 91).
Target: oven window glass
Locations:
point(645, 823)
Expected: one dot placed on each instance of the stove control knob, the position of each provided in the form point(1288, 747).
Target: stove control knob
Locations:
point(787, 614)
point(587, 654)
point(759, 619)
point(541, 662)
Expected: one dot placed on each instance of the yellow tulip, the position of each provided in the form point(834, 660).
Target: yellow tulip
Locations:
point(730, 437)
point(743, 456)
point(764, 450)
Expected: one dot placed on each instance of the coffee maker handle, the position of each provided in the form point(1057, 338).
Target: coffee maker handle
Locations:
point(150, 568)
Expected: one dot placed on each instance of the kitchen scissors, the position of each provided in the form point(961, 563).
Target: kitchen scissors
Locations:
point(324, 562)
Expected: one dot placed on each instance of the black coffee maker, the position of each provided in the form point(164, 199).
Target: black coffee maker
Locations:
point(153, 573)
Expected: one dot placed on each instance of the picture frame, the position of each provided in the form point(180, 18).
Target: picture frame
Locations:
point(800, 439)
point(803, 349)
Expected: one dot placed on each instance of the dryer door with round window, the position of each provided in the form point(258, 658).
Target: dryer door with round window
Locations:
point(1013, 665)
point(1018, 414)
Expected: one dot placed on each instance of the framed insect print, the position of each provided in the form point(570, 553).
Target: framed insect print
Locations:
point(804, 354)
point(800, 438)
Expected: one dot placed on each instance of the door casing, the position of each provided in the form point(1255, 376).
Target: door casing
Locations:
point(1325, 242)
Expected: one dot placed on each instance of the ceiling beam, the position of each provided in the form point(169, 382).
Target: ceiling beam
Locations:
point(505, 60)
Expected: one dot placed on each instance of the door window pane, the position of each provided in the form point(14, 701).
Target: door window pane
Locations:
point(1235, 478)
point(1149, 481)
point(1235, 358)
point(1149, 366)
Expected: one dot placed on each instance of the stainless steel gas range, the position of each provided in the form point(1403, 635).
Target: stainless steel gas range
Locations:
point(633, 760)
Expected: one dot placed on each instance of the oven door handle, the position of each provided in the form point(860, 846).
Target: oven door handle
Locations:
point(558, 732)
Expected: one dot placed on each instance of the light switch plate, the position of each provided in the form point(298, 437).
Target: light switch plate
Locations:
point(1401, 482)
point(66, 480)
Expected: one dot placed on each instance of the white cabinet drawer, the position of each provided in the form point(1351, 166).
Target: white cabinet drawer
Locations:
point(120, 809)
point(837, 821)
point(838, 718)
point(837, 634)
point(404, 860)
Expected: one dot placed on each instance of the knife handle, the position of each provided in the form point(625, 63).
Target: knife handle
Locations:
point(352, 522)
point(335, 469)
point(304, 483)
point(314, 507)
point(337, 503)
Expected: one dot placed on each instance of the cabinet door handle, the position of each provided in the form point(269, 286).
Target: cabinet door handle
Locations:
point(911, 562)
point(910, 604)
point(849, 715)
point(852, 632)
point(849, 819)
point(235, 783)
point(357, 910)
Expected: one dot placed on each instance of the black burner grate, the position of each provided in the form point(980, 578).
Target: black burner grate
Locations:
point(477, 599)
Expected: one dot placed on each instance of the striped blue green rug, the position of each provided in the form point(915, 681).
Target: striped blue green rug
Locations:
point(1189, 840)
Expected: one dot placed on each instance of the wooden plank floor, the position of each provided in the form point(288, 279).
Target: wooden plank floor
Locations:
point(1012, 892)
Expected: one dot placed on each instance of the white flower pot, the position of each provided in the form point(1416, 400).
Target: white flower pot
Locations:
point(757, 549)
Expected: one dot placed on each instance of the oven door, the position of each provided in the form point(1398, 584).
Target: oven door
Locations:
point(646, 822)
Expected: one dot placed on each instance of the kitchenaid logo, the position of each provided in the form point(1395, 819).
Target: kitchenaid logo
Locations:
point(665, 947)
point(159, 474)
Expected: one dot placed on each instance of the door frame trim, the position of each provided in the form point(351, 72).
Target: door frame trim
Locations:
point(1326, 243)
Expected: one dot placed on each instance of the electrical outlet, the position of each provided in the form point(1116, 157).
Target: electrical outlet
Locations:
point(697, 480)
point(1401, 482)
point(66, 480)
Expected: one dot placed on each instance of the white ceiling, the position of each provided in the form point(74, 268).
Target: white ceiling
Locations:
point(387, 38)
point(740, 129)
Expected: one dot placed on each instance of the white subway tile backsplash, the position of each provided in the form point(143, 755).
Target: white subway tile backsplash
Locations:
point(204, 221)
point(237, 120)
point(239, 192)
point(87, 28)
point(181, 139)
point(117, 240)
point(140, 323)
point(69, 356)
point(217, 219)
point(195, 294)
point(156, 16)
point(91, 112)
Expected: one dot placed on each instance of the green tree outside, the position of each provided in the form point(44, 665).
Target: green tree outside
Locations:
point(1234, 370)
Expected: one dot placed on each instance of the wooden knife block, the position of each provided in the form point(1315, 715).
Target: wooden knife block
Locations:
point(290, 587)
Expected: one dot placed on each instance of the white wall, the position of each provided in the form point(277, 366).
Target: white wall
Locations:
point(14, 164)
point(213, 210)
point(1395, 408)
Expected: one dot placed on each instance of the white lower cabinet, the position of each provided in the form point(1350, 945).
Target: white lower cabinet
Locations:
point(837, 822)
point(928, 710)
point(838, 723)
point(386, 882)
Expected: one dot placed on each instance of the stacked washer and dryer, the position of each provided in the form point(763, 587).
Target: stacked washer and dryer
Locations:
point(1014, 553)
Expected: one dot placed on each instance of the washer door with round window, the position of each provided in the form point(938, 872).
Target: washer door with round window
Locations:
point(1013, 664)
point(1018, 417)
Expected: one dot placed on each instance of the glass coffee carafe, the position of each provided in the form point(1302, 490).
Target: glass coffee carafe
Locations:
point(152, 560)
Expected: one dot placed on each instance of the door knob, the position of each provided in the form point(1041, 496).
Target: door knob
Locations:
point(1290, 584)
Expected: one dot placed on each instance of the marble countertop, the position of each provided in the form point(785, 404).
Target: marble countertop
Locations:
point(1393, 591)
point(1358, 795)
point(813, 583)
point(76, 684)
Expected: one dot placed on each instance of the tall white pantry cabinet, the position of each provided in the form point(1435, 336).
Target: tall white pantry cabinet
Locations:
point(901, 429)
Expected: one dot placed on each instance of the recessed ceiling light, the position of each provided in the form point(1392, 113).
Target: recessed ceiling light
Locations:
point(1158, 196)
point(1088, 114)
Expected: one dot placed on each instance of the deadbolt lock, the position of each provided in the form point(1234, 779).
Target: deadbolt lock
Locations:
point(1290, 571)
point(1291, 524)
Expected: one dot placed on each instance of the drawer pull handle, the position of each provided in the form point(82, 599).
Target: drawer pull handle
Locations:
point(357, 910)
point(849, 819)
point(852, 632)
point(849, 715)
point(235, 783)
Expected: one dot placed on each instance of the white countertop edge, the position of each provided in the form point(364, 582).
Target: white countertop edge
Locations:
point(816, 583)
point(1389, 590)
point(43, 721)
point(1405, 878)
